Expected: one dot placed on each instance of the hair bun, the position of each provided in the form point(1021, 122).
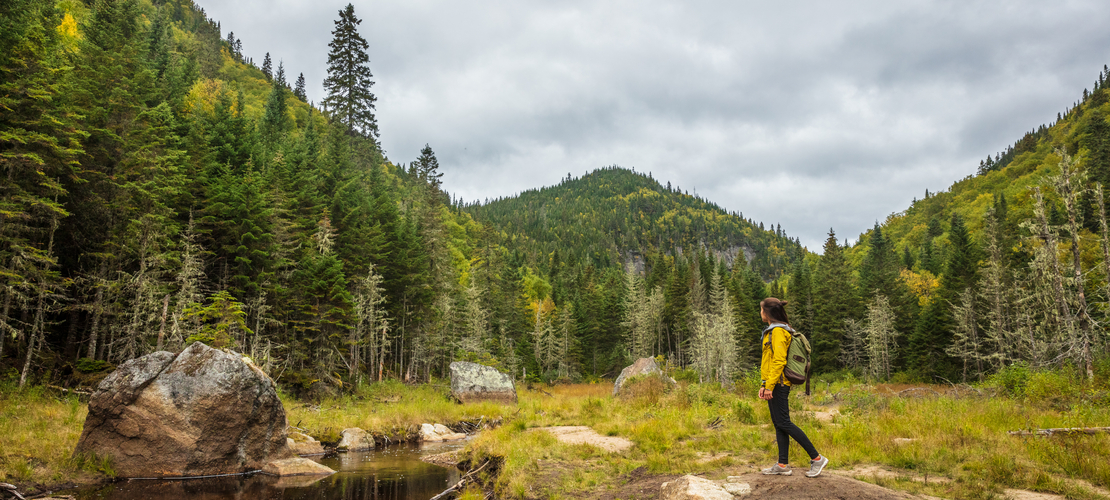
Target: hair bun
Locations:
point(783, 302)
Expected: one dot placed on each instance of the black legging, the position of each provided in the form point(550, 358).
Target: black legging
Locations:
point(784, 428)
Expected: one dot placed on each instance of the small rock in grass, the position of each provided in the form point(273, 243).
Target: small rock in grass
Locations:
point(738, 489)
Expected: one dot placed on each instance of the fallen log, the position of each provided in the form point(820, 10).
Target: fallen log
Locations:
point(11, 488)
point(1060, 430)
point(912, 390)
point(450, 491)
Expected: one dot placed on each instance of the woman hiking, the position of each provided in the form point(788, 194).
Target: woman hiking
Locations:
point(776, 388)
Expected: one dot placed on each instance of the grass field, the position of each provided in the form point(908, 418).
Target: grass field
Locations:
point(957, 438)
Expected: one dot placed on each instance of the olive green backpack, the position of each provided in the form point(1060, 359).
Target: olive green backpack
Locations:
point(797, 356)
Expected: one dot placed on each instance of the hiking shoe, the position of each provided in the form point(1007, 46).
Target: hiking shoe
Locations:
point(778, 469)
point(816, 466)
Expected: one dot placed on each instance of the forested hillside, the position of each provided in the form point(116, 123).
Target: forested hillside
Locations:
point(1009, 265)
point(160, 188)
point(613, 214)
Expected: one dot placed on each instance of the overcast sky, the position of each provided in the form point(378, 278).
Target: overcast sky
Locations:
point(812, 114)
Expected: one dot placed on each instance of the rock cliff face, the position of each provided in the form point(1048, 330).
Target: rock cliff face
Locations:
point(473, 382)
point(203, 411)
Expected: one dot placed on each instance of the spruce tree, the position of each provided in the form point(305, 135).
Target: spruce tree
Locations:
point(349, 78)
point(275, 119)
point(298, 88)
point(834, 300)
point(935, 329)
point(267, 67)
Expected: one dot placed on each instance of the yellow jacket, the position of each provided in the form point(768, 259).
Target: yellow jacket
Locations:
point(775, 344)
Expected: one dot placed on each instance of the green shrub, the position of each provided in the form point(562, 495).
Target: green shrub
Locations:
point(743, 412)
point(1012, 380)
point(688, 375)
point(1059, 389)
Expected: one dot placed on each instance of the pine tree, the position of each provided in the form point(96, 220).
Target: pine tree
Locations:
point(935, 328)
point(39, 146)
point(275, 119)
point(298, 88)
point(1002, 345)
point(834, 298)
point(349, 78)
point(427, 170)
point(267, 67)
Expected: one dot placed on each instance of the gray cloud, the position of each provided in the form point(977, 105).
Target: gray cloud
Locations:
point(809, 114)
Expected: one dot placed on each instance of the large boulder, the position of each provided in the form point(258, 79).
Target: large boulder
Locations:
point(203, 411)
point(643, 367)
point(472, 382)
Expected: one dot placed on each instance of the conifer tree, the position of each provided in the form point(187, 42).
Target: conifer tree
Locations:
point(1002, 345)
point(275, 119)
point(834, 298)
point(349, 78)
point(39, 147)
point(935, 328)
point(298, 88)
point(267, 67)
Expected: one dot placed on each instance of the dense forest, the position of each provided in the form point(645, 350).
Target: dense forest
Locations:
point(161, 188)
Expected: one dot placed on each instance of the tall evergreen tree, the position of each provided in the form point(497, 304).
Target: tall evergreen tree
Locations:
point(267, 67)
point(349, 78)
point(835, 300)
point(275, 118)
point(298, 88)
point(935, 328)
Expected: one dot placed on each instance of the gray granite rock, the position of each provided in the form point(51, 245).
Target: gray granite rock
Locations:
point(204, 411)
point(472, 382)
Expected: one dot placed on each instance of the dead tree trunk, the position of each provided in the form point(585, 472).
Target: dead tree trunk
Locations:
point(162, 327)
point(98, 307)
point(1069, 188)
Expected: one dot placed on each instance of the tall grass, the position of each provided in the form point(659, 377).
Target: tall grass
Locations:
point(961, 440)
point(391, 408)
point(38, 432)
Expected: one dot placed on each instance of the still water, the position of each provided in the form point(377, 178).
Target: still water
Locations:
point(392, 473)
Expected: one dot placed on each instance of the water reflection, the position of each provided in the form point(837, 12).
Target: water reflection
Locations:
point(395, 473)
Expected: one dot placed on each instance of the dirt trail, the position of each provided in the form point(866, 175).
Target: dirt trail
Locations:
point(826, 486)
point(640, 485)
point(581, 434)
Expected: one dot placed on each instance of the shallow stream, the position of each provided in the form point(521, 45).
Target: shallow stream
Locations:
point(392, 473)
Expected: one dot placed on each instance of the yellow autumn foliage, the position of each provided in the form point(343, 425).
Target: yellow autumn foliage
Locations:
point(923, 284)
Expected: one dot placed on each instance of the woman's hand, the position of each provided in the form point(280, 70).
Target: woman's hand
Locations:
point(765, 393)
